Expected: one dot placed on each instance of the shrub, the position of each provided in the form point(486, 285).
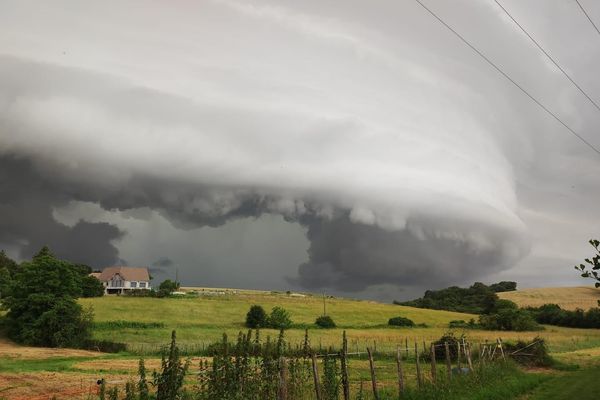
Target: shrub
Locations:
point(91, 287)
point(400, 321)
point(256, 317)
point(167, 287)
point(509, 319)
point(325, 321)
point(279, 319)
point(440, 349)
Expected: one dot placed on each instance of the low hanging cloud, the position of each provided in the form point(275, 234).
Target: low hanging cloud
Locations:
point(318, 125)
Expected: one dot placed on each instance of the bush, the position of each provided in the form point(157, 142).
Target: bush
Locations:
point(256, 317)
point(440, 349)
point(400, 321)
point(65, 325)
point(459, 323)
point(509, 319)
point(325, 321)
point(91, 287)
point(167, 287)
point(552, 314)
point(279, 319)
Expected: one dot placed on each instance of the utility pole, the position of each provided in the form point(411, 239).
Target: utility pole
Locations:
point(324, 306)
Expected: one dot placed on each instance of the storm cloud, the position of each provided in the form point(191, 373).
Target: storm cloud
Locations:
point(386, 148)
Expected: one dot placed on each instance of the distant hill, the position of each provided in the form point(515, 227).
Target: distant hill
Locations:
point(568, 298)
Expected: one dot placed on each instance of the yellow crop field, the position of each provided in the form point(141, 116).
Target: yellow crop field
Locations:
point(569, 298)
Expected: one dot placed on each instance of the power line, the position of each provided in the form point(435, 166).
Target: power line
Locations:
point(508, 77)
point(588, 16)
point(548, 55)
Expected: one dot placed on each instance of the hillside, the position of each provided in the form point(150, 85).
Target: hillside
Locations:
point(568, 298)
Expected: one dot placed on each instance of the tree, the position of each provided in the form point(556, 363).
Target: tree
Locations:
point(594, 264)
point(40, 299)
point(91, 287)
point(167, 287)
point(256, 317)
point(8, 268)
point(325, 321)
point(279, 318)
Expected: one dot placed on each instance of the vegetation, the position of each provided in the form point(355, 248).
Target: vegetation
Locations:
point(42, 310)
point(91, 286)
point(591, 270)
point(400, 321)
point(279, 318)
point(325, 322)
point(552, 314)
point(532, 353)
point(166, 288)
point(506, 316)
point(256, 317)
point(477, 299)
point(8, 269)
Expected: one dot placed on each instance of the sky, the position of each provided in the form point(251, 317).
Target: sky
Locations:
point(357, 148)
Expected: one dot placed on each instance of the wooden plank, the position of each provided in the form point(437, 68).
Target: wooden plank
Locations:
point(448, 361)
point(433, 365)
point(419, 377)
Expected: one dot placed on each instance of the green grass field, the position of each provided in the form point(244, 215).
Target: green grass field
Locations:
point(145, 324)
point(202, 320)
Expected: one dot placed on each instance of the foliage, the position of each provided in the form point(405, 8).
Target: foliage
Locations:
point(169, 381)
point(91, 287)
point(279, 318)
point(400, 321)
point(477, 299)
point(459, 323)
point(8, 269)
point(325, 322)
point(256, 317)
point(552, 314)
point(509, 319)
point(331, 378)
point(591, 270)
point(41, 303)
point(504, 286)
point(167, 287)
point(119, 324)
point(532, 354)
point(142, 384)
point(452, 340)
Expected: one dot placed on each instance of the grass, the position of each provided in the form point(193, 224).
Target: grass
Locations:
point(580, 385)
point(144, 324)
point(569, 298)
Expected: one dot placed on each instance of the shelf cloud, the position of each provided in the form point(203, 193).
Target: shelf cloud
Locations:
point(380, 148)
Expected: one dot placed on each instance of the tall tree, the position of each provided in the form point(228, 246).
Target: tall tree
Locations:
point(41, 303)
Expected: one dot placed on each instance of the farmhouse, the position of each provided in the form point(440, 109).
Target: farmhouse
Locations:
point(117, 280)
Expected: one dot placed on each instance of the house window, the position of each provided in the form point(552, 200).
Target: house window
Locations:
point(133, 284)
point(142, 284)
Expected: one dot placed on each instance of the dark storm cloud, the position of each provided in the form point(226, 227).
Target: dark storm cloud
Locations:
point(26, 206)
point(368, 125)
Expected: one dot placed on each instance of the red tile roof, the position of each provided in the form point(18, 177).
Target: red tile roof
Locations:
point(127, 273)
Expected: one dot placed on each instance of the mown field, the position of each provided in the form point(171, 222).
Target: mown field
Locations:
point(33, 373)
point(568, 298)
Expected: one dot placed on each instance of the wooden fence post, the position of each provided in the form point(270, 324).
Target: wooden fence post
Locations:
point(419, 377)
point(448, 361)
point(433, 364)
point(373, 378)
point(344, 362)
point(458, 356)
point(406, 346)
point(501, 349)
point(400, 374)
point(468, 350)
point(316, 377)
point(282, 388)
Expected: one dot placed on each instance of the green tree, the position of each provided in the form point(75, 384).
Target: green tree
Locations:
point(591, 270)
point(279, 318)
point(256, 317)
point(8, 268)
point(167, 287)
point(91, 287)
point(40, 299)
point(169, 382)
